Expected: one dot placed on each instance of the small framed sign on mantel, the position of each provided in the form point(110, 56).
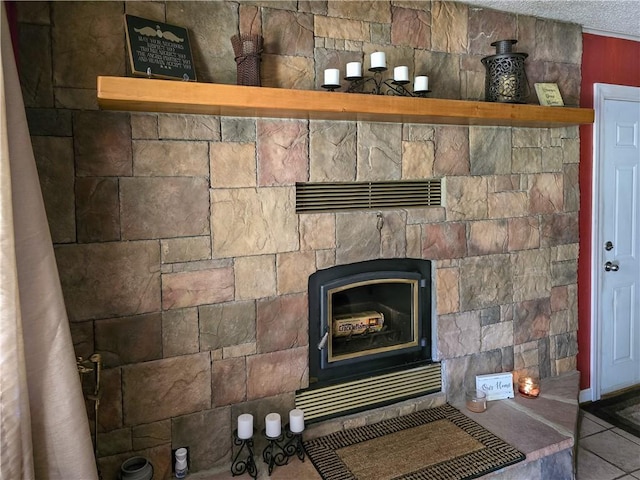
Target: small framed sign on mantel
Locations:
point(497, 386)
point(549, 94)
point(159, 50)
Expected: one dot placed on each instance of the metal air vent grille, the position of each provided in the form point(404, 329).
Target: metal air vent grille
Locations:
point(325, 197)
point(369, 392)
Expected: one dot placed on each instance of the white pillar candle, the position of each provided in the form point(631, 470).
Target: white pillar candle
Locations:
point(354, 69)
point(332, 76)
point(296, 420)
point(378, 60)
point(421, 84)
point(401, 74)
point(274, 426)
point(245, 426)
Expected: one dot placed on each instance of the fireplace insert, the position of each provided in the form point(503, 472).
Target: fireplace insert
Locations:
point(369, 318)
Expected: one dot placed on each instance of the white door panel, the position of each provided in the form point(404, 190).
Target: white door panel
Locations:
point(617, 269)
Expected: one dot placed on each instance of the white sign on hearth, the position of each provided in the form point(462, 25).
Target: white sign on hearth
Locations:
point(496, 385)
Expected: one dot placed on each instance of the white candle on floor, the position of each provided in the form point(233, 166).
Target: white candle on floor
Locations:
point(296, 420)
point(273, 424)
point(245, 426)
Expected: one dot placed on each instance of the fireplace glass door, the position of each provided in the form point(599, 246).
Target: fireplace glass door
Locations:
point(368, 318)
point(371, 317)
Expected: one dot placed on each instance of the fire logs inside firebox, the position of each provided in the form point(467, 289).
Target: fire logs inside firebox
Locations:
point(369, 330)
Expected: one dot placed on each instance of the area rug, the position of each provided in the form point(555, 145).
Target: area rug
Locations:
point(438, 443)
point(623, 411)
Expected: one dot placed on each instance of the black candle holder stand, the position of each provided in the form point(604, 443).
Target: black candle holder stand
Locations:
point(393, 87)
point(274, 453)
point(293, 445)
point(245, 464)
point(330, 87)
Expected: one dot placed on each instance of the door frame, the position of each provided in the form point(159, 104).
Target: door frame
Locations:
point(601, 93)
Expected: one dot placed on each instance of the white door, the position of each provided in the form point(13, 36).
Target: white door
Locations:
point(617, 268)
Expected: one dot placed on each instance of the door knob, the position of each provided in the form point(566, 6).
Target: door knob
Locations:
point(611, 267)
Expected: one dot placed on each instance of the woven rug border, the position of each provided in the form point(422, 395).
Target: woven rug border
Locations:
point(495, 455)
point(607, 409)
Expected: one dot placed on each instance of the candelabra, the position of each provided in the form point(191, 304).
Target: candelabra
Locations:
point(360, 84)
point(375, 84)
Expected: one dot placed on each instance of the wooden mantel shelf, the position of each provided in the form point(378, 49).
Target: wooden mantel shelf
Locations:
point(168, 96)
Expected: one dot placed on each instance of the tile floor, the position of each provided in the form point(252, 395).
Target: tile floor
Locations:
point(605, 452)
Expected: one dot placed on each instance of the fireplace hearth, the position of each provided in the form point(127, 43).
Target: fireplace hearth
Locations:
point(371, 331)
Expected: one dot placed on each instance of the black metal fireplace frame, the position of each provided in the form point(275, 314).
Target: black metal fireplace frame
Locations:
point(320, 373)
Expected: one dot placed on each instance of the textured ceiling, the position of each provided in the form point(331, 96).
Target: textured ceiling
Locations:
point(605, 17)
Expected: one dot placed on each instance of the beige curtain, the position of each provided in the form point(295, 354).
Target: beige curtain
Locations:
point(44, 432)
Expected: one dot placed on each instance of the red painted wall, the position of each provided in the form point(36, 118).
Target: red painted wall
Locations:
point(604, 60)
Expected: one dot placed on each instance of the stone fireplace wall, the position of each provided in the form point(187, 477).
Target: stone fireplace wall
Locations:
point(180, 254)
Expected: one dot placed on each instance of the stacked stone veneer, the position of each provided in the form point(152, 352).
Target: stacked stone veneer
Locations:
point(183, 261)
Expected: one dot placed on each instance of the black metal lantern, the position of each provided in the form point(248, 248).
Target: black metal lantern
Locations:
point(506, 80)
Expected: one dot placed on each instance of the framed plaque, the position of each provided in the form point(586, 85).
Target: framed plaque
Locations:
point(496, 385)
point(159, 50)
point(549, 94)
